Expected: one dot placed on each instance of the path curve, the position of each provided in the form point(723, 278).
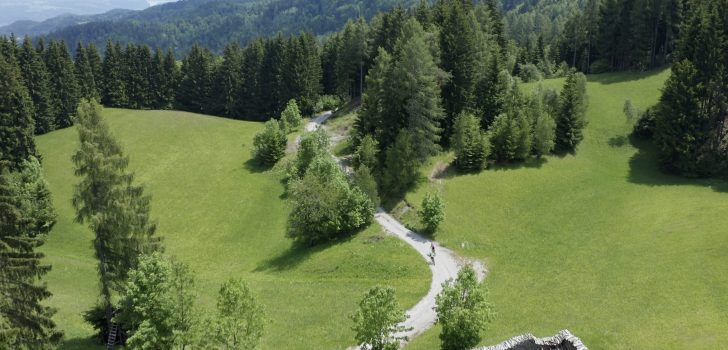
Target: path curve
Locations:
point(447, 264)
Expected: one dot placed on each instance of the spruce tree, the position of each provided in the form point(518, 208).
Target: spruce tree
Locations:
point(36, 80)
point(16, 117)
point(251, 98)
point(458, 46)
point(85, 75)
point(94, 61)
point(195, 88)
point(106, 199)
point(372, 116)
point(401, 166)
point(26, 217)
point(64, 90)
point(415, 86)
point(170, 80)
point(571, 119)
point(228, 83)
point(272, 78)
point(113, 89)
point(471, 146)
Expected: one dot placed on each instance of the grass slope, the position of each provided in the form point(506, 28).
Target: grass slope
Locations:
point(600, 242)
point(225, 217)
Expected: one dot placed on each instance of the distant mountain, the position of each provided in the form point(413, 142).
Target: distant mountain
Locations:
point(40, 10)
point(214, 23)
point(35, 28)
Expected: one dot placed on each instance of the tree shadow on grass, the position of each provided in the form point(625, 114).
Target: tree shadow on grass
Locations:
point(618, 141)
point(300, 252)
point(644, 169)
point(623, 77)
point(81, 344)
point(530, 163)
point(255, 167)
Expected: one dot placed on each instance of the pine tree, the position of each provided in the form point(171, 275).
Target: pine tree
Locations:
point(415, 85)
point(306, 63)
point(115, 208)
point(170, 80)
point(138, 61)
point(351, 54)
point(113, 89)
point(16, 117)
point(63, 85)
point(471, 146)
point(251, 98)
point(571, 119)
point(372, 116)
point(458, 46)
point(85, 75)
point(195, 88)
point(228, 82)
point(272, 78)
point(26, 217)
point(94, 61)
point(35, 76)
point(401, 166)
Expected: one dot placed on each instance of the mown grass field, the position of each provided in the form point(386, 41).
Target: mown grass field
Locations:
point(225, 217)
point(601, 242)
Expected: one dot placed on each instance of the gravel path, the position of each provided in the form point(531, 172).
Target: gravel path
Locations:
point(447, 264)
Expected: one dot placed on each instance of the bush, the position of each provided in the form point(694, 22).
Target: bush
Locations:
point(269, 146)
point(432, 213)
point(364, 180)
point(325, 206)
point(599, 66)
point(96, 317)
point(366, 153)
point(645, 126)
point(470, 144)
point(544, 134)
point(529, 72)
point(311, 146)
point(328, 103)
point(463, 311)
point(291, 116)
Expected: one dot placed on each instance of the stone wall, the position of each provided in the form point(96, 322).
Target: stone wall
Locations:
point(564, 340)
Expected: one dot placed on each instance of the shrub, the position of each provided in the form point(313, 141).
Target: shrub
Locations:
point(328, 103)
point(364, 180)
point(529, 72)
point(291, 116)
point(269, 146)
point(544, 133)
point(469, 143)
point(599, 66)
point(432, 213)
point(325, 206)
point(366, 153)
point(645, 126)
point(311, 146)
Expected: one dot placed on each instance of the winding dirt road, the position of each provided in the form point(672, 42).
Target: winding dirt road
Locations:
point(447, 264)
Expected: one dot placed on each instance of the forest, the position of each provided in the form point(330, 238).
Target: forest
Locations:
point(425, 79)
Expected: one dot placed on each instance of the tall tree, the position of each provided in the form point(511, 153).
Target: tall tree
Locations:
point(115, 208)
point(85, 75)
point(228, 82)
point(251, 97)
point(272, 78)
point(458, 46)
point(416, 88)
point(35, 76)
point(113, 89)
point(26, 217)
point(94, 61)
point(63, 84)
point(196, 80)
point(16, 117)
point(571, 119)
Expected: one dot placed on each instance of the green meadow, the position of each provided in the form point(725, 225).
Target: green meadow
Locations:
point(601, 242)
point(225, 217)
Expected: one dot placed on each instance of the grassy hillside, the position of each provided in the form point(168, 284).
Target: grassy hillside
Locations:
point(600, 242)
point(225, 217)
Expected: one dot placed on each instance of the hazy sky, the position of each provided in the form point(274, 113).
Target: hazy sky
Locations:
point(13, 10)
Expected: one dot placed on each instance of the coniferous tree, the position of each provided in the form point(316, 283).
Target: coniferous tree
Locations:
point(401, 166)
point(272, 77)
point(471, 146)
point(415, 87)
point(64, 90)
point(115, 208)
point(458, 46)
point(94, 61)
point(305, 71)
point(195, 88)
point(571, 119)
point(35, 76)
point(16, 117)
point(170, 80)
point(372, 118)
point(251, 96)
point(113, 89)
point(26, 217)
point(85, 75)
point(351, 56)
point(228, 82)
